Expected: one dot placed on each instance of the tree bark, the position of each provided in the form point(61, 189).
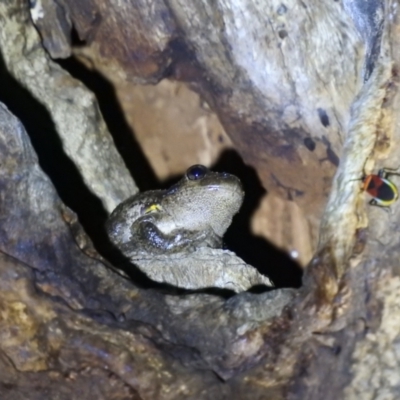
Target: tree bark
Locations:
point(297, 86)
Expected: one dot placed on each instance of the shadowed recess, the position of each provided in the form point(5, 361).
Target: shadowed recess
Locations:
point(55, 163)
point(114, 117)
point(255, 250)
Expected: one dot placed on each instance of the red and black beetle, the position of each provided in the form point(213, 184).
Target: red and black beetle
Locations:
point(383, 191)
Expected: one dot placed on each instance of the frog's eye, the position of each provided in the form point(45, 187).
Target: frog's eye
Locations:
point(152, 208)
point(196, 172)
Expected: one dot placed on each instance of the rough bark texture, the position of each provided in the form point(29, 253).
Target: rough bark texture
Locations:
point(295, 86)
point(75, 114)
point(248, 62)
point(201, 269)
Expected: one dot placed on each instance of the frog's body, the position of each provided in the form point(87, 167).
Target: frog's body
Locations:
point(193, 213)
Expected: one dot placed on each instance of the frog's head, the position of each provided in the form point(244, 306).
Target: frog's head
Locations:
point(204, 199)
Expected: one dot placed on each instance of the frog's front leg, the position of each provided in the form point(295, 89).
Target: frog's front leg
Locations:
point(155, 241)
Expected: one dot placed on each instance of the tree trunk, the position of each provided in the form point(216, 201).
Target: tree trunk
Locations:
point(298, 87)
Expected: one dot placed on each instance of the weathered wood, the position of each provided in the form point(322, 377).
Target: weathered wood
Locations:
point(74, 110)
point(64, 289)
point(284, 111)
point(71, 322)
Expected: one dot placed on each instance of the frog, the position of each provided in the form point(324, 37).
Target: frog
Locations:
point(192, 214)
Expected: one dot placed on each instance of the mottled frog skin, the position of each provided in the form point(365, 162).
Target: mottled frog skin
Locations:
point(191, 214)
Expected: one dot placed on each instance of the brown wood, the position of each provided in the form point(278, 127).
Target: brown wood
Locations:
point(297, 87)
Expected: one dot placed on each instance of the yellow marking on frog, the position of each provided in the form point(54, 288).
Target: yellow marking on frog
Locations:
point(153, 208)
